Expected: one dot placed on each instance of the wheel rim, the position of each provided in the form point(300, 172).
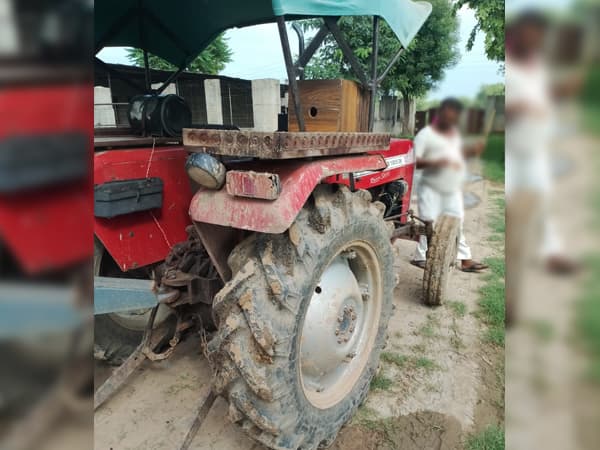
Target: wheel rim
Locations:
point(341, 325)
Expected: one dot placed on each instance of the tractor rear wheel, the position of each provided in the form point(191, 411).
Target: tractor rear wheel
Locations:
point(302, 322)
point(441, 259)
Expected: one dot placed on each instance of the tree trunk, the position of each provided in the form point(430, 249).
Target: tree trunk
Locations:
point(408, 115)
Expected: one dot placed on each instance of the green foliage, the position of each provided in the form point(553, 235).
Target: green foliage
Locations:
point(490, 20)
point(493, 159)
point(488, 90)
point(211, 61)
point(492, 438)
point(434, 49)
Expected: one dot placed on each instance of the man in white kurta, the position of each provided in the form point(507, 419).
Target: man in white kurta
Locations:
point(439, 151)
point(530, 129)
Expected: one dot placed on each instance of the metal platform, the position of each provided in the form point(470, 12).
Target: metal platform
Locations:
point(282, 145)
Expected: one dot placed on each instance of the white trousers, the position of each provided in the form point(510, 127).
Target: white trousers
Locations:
point(532, 174)
point(433, 204)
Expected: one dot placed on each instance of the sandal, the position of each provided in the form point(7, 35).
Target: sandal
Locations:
point(475, 267)
point(419, 264)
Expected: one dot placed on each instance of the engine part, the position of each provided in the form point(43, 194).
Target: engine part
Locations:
point(154, 115)
point(391, 196)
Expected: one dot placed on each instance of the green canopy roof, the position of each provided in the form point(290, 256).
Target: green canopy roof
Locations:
point(178, 30)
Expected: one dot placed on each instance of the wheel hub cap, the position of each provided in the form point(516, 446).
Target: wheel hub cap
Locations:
point(339, 327)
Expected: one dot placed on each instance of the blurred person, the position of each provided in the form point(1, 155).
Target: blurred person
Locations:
point(530, 125)
point(440, 153)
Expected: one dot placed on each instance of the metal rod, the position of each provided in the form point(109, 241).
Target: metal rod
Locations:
point(374, 83)
point(347, 51)
point(171, 78)
point(301, 45)
point(314, 44)
point(390, 65)
point(147, 72)
point(291, 71)
point(141, 12)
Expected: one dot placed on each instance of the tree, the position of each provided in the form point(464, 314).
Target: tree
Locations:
point(490, 20)
point(211, 61)
point(421, 67)
point(489, 90)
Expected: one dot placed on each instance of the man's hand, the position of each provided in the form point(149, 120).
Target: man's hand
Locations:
point(474, 150)
point(441, 163)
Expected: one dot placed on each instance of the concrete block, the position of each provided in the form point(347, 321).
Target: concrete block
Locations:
point(214, 106)
point(266, 104)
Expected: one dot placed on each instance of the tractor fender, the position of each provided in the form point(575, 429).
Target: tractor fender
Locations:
point(298, 179)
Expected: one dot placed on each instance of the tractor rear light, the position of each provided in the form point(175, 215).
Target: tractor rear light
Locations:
point(266, 186)
point(206, 170)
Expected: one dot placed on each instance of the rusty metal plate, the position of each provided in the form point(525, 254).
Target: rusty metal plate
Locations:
point(242, 183)
point(282, 145)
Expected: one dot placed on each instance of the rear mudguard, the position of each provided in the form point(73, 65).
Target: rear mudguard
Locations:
point(298, 179)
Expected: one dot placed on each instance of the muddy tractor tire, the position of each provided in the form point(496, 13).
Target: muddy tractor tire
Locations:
point(117, 335)
point(441, 259)
point(302, 321)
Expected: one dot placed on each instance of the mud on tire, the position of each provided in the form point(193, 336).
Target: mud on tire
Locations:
point(441, 259)
point(260, 315)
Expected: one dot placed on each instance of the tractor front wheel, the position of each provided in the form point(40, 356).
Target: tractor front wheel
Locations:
point(302, 322)
point(441, 259)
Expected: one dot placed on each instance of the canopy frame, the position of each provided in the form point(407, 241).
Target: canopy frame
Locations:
point(295, 69)
point(330, 25)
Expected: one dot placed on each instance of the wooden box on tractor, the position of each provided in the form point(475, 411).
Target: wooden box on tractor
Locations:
point(331, 105)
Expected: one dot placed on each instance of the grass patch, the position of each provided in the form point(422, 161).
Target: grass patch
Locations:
point(493, 310)
point(458, 308)
point(497, 267)
point(426, 363)
point(427, 330)
point(497, 220)
point(492, 306)
point(588, 319)
point(393, 358)
point(492, 438)
point(381, 383)
point(493, 159)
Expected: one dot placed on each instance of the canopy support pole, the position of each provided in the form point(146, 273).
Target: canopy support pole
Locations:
point(147, 72)
point(347, 51)
point(374, 79)
point(291, 71)
point(313, 46)
point(390, 65)
point(169, 80)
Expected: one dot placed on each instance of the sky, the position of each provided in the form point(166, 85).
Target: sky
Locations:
point(257, 54)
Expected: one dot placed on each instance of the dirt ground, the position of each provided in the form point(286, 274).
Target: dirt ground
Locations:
point(438, 380)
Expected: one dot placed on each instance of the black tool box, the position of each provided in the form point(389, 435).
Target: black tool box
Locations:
point(116, 198)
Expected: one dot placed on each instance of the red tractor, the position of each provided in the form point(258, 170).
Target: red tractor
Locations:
point(281, 251)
